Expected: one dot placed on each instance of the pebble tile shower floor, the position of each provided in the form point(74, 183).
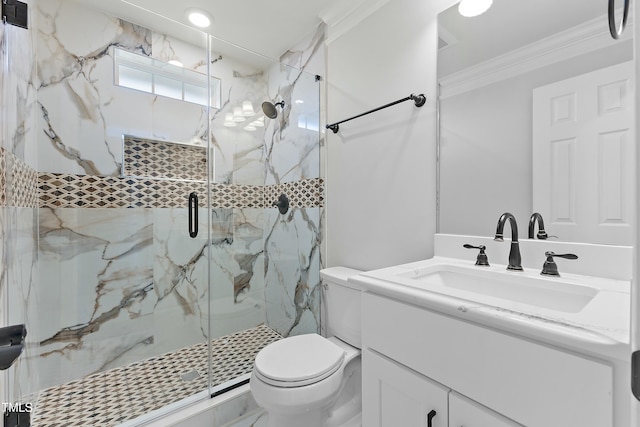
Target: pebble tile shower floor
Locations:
point(112, 397)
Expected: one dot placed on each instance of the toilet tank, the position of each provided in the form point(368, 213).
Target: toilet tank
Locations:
point(341, 305)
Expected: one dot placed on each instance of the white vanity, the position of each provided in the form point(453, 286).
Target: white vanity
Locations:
point(448, 343)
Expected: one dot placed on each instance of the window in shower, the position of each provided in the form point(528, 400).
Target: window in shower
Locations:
point(150, 75)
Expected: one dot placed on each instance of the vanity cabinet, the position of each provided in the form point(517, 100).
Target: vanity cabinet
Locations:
point(394, 395)
point(515, 381)
point(397, 396)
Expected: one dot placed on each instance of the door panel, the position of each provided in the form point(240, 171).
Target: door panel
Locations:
point(584, 156)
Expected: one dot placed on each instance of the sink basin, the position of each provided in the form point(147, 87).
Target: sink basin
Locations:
point(476, 284)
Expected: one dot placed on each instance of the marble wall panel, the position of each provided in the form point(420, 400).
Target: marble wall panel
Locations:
point(292, 278)
point(83, 114)
point(96, 276)
point(167, 48)
point(237, 270)
point(292, 160)
point(238, 153)
point(292, 143)
point(180, 275)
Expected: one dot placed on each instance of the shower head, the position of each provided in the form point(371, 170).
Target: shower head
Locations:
point(269, 109)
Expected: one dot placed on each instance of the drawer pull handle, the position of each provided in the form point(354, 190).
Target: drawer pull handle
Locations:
point(430, 416)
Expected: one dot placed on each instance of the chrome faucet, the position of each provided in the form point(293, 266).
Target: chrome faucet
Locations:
point(542, 234)
point(515, 259)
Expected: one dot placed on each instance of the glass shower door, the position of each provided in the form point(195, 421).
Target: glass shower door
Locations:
point(18, 219)
point(123, 279)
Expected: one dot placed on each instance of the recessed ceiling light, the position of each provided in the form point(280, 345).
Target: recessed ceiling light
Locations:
point(199, 18)
point(470, 8)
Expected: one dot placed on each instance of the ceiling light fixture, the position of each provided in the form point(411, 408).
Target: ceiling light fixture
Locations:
point(247, 109)
point(199, 18)
point(470, 8)
point(237, 115)
point(228, 120)
point(258, 123)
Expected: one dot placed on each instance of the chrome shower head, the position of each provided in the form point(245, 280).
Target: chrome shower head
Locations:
point(269, 109)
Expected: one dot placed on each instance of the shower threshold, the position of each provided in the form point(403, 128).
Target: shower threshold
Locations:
point(112, 397)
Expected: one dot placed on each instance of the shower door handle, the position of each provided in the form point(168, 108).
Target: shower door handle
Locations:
point(193, 215)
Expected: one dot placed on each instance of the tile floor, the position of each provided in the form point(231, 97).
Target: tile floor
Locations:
point(112, 397)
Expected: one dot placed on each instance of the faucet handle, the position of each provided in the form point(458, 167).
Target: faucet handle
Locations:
point(482, 258)
point(550, 268)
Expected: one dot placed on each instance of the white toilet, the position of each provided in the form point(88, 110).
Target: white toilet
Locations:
point(309, 380)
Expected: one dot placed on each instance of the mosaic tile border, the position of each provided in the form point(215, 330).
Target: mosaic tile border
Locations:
point(88, 191)
point(237, 196)
point(112, 397)
point(18, 182)
point(161, 159)
point(22, 186)
point(301, 194)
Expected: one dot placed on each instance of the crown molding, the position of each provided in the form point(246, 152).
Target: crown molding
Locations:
point(345, 15)
point(576, 41)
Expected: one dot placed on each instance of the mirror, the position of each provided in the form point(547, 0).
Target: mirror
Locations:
point(535, 115)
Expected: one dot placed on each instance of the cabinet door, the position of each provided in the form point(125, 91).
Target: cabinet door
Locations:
point(394, 395)
point(464, 412)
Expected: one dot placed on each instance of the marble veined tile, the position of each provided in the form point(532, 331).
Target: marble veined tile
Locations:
point(83, 115)
point(181, 279)
point(292, 252)
point(238, 153)
point(292, 149)
point(96, 275)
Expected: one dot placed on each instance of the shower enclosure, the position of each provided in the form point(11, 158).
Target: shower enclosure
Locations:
point(141, 244)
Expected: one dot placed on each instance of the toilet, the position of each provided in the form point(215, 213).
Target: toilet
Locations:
point(313, 381)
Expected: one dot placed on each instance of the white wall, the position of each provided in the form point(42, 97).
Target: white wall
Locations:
point(381, 176)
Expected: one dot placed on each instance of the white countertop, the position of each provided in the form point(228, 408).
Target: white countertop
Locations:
point(599, 329)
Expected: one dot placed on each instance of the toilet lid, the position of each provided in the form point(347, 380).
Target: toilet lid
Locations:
point(298, 360)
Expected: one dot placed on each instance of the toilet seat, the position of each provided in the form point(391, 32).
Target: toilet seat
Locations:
point(298, 361)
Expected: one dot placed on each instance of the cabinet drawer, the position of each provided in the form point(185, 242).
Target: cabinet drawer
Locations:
point(467, 413)
point(530, 383)
point(393, 395)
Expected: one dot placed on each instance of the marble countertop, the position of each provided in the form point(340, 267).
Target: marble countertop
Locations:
point(599, 329)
